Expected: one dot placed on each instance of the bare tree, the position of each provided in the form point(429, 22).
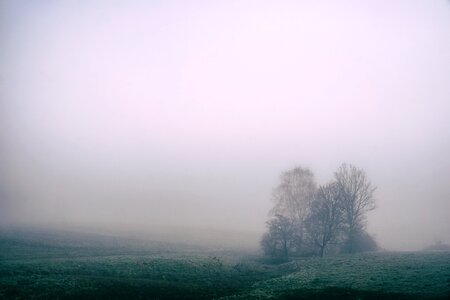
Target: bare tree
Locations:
point(357, 199)
point(325, 222)
point(293, 197)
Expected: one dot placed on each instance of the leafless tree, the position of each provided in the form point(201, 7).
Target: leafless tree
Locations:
point(357, 199)
point(294, 195)
point(326, 220)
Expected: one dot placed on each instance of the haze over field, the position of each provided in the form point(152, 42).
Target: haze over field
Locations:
point(184, 114)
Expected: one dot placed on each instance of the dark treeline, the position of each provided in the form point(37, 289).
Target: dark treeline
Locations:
point(308, 219)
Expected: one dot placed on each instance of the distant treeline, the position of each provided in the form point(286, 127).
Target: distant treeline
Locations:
point(308, 219)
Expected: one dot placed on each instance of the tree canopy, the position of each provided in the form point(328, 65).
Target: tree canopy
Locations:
point(308, 219)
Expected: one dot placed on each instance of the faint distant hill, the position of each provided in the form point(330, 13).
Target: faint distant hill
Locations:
point(16, 242)
point(203, 237)
point(438, 246)
point(55, 241)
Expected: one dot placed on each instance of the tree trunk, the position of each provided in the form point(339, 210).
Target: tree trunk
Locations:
point(322, 250)
point(351, 241)
point(286, 253)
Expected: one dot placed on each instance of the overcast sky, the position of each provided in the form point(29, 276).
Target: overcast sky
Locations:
point(185, 112)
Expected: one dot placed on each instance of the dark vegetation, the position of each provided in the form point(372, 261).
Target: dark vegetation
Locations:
point(310, 220)
point(41, 264)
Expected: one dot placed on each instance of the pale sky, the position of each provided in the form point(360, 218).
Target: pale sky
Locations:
point(186, 112)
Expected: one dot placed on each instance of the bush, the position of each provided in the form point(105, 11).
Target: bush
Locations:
point(363, 242)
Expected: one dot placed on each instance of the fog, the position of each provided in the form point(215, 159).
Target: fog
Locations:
point(175, 114)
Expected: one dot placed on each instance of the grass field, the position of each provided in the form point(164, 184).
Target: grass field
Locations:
point(44, 266)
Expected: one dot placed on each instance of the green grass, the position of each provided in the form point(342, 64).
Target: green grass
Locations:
point(57, 268)
point(366, 276)
point(165, 276)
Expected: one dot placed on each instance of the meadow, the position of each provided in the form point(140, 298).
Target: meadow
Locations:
point(42, 265)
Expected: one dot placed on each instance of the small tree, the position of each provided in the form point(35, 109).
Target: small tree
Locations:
point(280, 238)
point(356, 192)
point(326, 220)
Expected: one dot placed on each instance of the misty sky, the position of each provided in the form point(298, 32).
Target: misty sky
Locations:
point(185, 112)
